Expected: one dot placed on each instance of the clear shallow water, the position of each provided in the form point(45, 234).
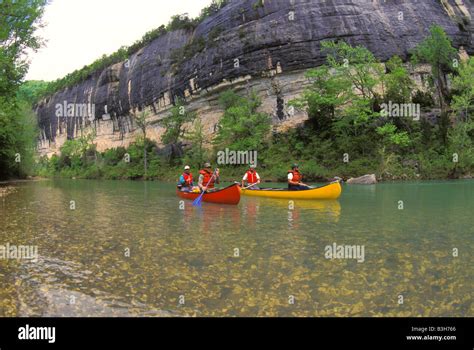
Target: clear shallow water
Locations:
point(183, 261)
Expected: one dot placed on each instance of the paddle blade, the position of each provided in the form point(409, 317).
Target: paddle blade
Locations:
point(197, 201)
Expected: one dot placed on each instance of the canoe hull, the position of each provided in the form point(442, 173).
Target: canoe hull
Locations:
point(229, 195)
point(329, 191)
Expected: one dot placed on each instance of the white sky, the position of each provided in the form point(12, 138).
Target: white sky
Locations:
point(78, 32)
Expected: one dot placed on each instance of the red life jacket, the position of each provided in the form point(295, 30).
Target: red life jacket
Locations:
point(207, 176)
point(251, 177)
point(188, 178)
point(297, 176)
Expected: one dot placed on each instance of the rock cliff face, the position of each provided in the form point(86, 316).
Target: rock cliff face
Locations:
point(249, 44)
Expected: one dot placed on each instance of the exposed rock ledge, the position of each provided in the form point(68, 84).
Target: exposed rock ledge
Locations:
point(270, 49)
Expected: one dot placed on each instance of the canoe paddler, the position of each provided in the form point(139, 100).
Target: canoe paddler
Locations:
point(186, 182)
point(208, 178)
point(251, 178)
point(294, 179)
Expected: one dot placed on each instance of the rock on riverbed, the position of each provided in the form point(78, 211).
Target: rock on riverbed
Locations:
point(5, 191)
point(363, 180)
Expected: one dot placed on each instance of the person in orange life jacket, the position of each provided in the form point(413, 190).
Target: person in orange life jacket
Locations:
point(252, 178)
point(294, 179)
point(206, 176)
point(185, 182)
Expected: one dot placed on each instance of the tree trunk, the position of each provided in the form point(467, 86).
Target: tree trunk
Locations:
point(144, 154)
point(145, 160)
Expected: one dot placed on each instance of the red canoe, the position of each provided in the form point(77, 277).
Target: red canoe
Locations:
point(228, 195)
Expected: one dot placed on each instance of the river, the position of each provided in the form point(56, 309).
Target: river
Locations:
point(119, 248)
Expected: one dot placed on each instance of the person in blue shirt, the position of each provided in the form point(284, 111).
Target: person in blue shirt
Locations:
point(185, 182)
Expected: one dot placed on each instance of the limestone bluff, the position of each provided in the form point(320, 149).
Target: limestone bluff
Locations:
point(266, 48)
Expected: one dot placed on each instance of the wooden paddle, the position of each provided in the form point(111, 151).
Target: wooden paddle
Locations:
point(249, 186)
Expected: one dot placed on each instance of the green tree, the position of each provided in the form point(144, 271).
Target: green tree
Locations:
point(196, 154)
point(461, 145)
point(142, 122)
point(398, 84)
point(328, 92)
point(24, 136)
point(391, 142)
point(242, 127)
point(213, 8)
point(174, 124)
point(357, 64)
point(463, 86)
point(18, 23)
point(438, 52)
point(341, 103)
point(31, 91)
point(360, 74)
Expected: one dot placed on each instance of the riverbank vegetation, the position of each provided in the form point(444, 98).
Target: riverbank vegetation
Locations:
point(352, 127)
point(18, 132)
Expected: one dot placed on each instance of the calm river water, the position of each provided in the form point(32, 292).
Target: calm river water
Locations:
point(117, 248)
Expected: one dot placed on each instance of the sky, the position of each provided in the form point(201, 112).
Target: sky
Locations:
point(77, 32)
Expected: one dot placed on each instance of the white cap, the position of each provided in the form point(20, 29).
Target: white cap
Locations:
point(187, 167)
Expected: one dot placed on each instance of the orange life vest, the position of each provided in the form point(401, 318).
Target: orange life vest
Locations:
point(297, 176)
point(188, 178)
point(207, 178)
point(252, 177)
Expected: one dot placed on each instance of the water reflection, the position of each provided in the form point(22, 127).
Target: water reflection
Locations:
point(131, 249)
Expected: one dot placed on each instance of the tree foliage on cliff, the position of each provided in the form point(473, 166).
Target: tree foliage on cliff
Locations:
point(197, 154)
point(242, 127)
point(438, 52)
point(463, 86)
point(177, 22)
point(345, 133)
point(174, 124)
point(344, 102)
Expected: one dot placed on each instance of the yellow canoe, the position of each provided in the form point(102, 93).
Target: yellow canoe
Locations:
point(329, 191)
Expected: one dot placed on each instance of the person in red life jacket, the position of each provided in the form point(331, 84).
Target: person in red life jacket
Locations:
point(207, 178)
point(252, 178)
point(294, 179)
point(186, 180)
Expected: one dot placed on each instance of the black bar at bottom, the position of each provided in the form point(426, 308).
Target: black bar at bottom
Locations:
point(137, 333)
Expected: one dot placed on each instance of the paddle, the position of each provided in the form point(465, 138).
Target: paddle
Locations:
point(308, 187)
point(249, 186)
point(336, 180)
point(198, 200)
